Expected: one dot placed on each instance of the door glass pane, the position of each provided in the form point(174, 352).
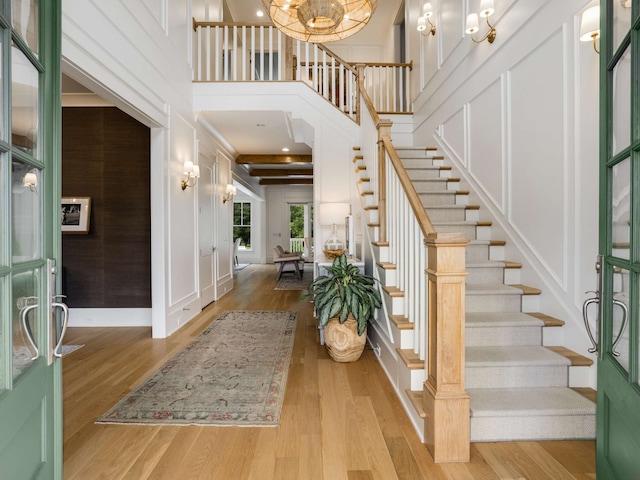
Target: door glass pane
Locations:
point(24, 97)
point(25, 208)
point(621, 115)
point(621, 21)
point(620, 331)
point(621, 208)
point(24, 19)
point(24, 325)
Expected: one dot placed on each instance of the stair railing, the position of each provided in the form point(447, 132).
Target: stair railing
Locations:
point(432, 280)
point(234, 52)
point(388, 86)
point(241, 52)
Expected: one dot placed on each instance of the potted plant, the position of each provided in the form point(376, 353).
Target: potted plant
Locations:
point(345, 301)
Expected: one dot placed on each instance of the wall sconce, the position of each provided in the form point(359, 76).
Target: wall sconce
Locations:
point(486, 10)
point(590, 26)
point(192, 172)
point(231, 191)
point(427, 13)
point(30, 181)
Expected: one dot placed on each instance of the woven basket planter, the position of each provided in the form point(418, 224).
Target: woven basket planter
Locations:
point(342, 340)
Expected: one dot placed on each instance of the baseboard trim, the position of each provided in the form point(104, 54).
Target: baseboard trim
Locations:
point(109, 317)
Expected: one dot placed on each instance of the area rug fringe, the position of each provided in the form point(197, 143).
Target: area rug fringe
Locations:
point(233, 374)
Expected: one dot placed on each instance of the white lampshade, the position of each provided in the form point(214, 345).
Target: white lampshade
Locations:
point(590, 24)
point(188, 167)
point(330, 213)
point(30, 180)
point(427, 10)
point(486, 8)
point(422, 24)
point(472, 23)
point(196, 171)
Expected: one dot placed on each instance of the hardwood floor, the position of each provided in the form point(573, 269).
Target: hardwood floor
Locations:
point(338, 422)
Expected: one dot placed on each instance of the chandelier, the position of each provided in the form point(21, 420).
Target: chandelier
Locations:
point(320, 21)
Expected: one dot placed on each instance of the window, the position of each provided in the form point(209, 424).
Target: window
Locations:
point(242, 223)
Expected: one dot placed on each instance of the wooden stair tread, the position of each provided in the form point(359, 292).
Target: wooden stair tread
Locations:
point(401, 322)
point(497, 243)
point(416, 397)
point(410, 358)
point(512, 265)
point(548, 320)
point(364, 180)
point(356, 148)
point(366, 193)
point(526, 290)
point(393, 291)
point(360, 168)
point(375, 224)
point(386, 265)
point(445, 167)
point(371, 207)
point(587, 392)
point(576, 359)
point(484, 224)
point(380, 244)
point(461, 192)
point(472, 207)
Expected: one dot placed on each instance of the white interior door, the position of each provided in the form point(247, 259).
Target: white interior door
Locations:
point(206, 220)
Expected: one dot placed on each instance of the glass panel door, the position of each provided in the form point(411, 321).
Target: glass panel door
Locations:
point(30, 372)
point(618, 414)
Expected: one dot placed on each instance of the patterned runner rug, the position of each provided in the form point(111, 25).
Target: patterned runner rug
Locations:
point(290, 282)
point(233, 373)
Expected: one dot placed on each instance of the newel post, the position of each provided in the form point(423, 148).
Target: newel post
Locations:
point(384, 129)
point(445, 401)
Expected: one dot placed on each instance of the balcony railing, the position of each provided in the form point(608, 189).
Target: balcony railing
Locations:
point(233, 52)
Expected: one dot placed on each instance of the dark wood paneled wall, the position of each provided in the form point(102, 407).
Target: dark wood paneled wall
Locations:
point(105, 156)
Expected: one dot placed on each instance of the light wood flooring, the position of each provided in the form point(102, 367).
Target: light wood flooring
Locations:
point(339, 421)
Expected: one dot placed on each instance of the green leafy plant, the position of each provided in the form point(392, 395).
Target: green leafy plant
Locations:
point(346, 291)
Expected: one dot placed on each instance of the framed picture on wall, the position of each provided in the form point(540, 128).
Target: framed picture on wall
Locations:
point(76, 213)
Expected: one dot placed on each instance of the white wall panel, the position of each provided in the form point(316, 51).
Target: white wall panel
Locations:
point(485, 142)
point(452, 17)
point(158, 11)
point(453, 134)
point(537, 157)
point(183, 244)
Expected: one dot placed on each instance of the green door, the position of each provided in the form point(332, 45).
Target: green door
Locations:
point(618, 414)
point(31, 316)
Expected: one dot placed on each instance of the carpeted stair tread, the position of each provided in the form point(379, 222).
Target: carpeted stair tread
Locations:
point(519, 402)
point(492, 289)
point(486, 264)
point(506, 356)
point(501, 319)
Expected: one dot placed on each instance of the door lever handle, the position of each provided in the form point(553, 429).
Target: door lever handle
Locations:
point(27, 328)
point(585, 317)
point(625, 317)
point(65, 321)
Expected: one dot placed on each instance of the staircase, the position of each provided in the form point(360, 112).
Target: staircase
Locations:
point(518, 388)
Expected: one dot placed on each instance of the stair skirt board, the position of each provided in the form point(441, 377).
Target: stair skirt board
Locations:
point(518, 389)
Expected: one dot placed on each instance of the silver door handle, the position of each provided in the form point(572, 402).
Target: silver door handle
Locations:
point(585, 317)
point(27, 329)
point(65, 321)
point(625, 316)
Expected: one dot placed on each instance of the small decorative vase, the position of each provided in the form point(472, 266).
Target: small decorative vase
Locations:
point(342, 340)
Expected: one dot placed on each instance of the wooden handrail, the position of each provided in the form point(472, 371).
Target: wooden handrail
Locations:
point(414, 200)
point(365, 96)
point(383, 64)
point(197, 24)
